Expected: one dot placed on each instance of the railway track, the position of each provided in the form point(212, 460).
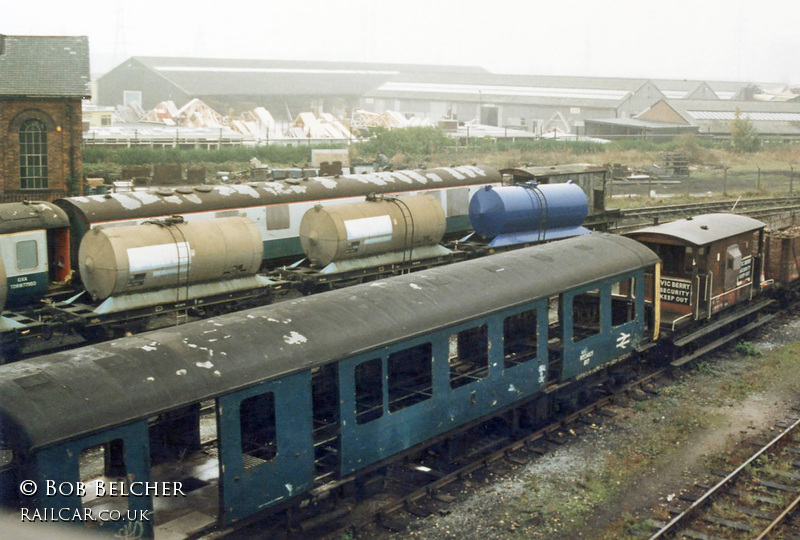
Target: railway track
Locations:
point(755, 500)
point(757, 208)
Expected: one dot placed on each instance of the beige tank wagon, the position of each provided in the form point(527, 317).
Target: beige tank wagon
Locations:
point(168, 254)
point(374, 227)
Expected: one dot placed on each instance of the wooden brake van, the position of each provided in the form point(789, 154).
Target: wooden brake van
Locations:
point(710, 263)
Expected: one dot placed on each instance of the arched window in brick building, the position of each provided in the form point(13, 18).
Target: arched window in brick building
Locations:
point(33, 155)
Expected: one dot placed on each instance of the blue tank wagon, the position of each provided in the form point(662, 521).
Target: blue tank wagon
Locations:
point(528, 213)
point(321, 389)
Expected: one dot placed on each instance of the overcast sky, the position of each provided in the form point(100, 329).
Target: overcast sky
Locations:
point(742, 40)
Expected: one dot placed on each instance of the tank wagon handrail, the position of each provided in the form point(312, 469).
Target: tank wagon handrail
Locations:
point(144, 375)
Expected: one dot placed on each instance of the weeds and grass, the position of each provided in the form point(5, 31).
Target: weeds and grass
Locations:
point(747, 348)
point(657, 436)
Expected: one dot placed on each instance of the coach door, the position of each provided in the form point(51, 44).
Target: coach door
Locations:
point(265, 445)
point(702, 298)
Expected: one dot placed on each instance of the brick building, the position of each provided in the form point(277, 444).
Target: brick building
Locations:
point(42, 82)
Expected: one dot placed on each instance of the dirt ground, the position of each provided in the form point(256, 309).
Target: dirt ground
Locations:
point(626, 468)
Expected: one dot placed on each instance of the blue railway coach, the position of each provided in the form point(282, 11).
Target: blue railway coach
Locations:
point(307, 393)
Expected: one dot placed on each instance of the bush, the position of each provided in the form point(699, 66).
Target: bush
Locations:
point(747, 348)
point(744, 136)
point(412, 141)
point(277, 155)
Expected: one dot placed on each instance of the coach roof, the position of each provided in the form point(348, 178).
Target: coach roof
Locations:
point(182, 200)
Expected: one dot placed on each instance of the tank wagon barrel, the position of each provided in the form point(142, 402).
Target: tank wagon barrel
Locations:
point(168, 254)
point(379, 225)
point(528, 212)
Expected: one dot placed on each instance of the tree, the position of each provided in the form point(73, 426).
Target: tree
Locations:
point(744, 135)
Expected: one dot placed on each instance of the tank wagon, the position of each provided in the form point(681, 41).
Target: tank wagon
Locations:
point(171, 256)
point(403, 227)
point(528, 213)
point(310, 395)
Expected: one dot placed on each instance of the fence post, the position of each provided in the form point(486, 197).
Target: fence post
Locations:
point(791, 179)
point(724, 180)
point(758, 181)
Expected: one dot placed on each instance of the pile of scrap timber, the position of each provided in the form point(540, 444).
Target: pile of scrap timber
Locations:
point(789, 232)
point(363, 119)
point(257, 124)
point(324, 126)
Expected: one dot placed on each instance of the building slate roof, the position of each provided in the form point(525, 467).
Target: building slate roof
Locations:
point(44, 66)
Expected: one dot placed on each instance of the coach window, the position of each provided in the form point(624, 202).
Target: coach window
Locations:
point(519, 338)
point(410, 376)
point(257, 423)
point(27, 255)
point(623, 301)
point(468, 356)
point(33, 155)
point(586, 315)
point(277, 217)
point(369, 390)
point(457, 202)
point(104, 463)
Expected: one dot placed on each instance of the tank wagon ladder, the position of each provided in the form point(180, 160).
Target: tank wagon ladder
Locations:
point(183, 261)
point(408, 219)
point(534, 190)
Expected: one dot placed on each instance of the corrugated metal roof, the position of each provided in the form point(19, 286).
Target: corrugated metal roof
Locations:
point(44, 66)
point(636, 122)
point(113, 383)
point(761, 116)
point(498, 90)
